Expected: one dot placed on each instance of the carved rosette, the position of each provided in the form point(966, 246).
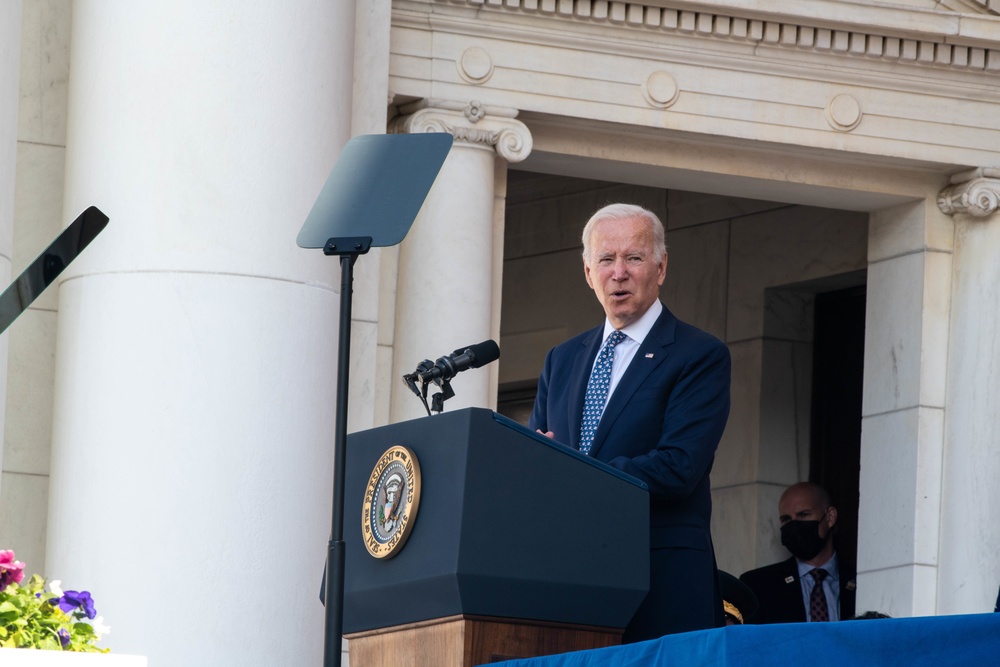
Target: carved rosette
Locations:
point(976, 193)
point(474, 125)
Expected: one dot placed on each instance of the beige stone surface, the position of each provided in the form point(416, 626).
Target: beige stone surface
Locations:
point(900, 461)
point(764, 254)
point(697, 272)
point(24, 503)
point(45, 56)
point(30, 377)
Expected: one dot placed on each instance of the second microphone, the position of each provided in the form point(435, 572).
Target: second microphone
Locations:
point(472, 356)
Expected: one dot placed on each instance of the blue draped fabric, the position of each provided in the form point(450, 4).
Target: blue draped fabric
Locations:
point(972, 639)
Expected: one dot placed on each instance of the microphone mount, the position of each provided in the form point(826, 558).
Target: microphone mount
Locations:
point(441, 372)
point(421, 374)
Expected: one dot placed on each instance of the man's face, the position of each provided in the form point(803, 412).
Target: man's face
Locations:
point(799, 504)
point(622, 271)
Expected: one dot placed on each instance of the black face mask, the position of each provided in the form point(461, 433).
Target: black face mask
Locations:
point(802, 539)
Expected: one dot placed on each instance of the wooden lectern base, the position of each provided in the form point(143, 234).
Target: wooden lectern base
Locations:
point(466, 641)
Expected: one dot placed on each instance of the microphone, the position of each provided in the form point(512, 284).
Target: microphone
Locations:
point(461, 359)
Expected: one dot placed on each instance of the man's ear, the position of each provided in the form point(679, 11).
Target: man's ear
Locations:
point(586, 273)
point(831, 517)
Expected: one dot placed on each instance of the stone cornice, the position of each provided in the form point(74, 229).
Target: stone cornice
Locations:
point(975, 192)
point(976, 6)
point(876, 31)
point(471, 123)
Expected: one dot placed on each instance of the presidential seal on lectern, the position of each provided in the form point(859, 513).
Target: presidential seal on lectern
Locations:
point(391, 500)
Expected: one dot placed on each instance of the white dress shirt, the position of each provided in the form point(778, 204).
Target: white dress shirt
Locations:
point(831, 585)
point(635, 334)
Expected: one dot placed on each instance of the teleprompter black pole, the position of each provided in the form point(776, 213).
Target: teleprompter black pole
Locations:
point(348, 249)
point(370, 199)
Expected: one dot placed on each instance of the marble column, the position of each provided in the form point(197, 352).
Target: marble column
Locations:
point(970, 570)
point(194, 393)
point(448, 267)
point(904, 408)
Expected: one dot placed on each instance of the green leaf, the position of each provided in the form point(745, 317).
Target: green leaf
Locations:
point(83, 630)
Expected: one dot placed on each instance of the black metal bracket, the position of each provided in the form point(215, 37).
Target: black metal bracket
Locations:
point(352, 245)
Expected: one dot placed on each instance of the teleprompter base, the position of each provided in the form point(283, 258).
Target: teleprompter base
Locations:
point(466, 641)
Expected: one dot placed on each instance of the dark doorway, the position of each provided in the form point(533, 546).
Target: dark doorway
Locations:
point(838, 379)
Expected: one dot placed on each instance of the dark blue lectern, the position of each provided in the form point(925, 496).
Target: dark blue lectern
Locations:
point(520, 546)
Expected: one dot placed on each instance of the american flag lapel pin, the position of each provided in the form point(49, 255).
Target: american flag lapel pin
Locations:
point(649, 355)
point(789, 580)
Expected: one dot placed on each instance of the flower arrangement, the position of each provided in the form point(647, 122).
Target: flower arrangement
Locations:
point(31, 617)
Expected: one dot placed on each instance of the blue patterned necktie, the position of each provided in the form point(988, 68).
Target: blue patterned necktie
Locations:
point(597, 391)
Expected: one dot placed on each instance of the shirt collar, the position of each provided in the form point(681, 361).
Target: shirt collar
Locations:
point(830, 566)
point(639, 329)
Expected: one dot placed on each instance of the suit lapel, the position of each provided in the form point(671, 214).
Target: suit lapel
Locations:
point(651, 353)
point(791, 590)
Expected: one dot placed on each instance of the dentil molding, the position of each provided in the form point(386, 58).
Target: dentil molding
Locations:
point(918, 37)
point(470, 123)
point(975, 192)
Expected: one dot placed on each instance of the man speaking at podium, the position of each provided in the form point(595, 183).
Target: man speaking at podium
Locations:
point(648, 395)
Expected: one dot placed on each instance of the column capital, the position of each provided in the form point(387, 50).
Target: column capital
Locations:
point(975, 192)
point(471, 123)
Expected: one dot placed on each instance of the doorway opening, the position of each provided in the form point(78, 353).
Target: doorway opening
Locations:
point(838, 379)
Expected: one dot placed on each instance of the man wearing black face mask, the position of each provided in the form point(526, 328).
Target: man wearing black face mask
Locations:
point(815, 584)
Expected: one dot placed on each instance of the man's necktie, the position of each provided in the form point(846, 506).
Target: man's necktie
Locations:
point(817, 599)
point(597, 391)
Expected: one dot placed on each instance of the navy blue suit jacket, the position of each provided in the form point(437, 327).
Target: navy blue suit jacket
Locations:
point(662, 425)
point(779, 592)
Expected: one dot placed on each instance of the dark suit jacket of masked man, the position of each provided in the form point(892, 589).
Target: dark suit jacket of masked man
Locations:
point(662, 425)
point(779, 591)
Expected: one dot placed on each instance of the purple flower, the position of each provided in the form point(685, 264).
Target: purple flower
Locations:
point(11, 571)
point(78, 599)
point(63, 637)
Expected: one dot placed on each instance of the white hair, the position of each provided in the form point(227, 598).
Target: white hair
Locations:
point(621, 213)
